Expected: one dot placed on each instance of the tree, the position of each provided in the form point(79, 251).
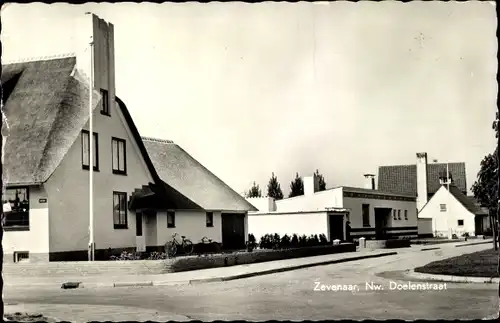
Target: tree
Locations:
point(485, 189)
point(321, 179)
point(296, 186)
point(254, 191)
point(274, 188)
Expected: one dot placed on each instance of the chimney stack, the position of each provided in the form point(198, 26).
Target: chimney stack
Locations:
point(311, 184)
point(422, 193)
point(370, 181)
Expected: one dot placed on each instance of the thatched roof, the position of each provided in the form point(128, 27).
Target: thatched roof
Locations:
point(46, 106)
point(186, 175)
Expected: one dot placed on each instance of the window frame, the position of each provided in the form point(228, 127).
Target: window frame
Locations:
point(442, 208)
point(120, 224)
point(399, 214)
point(209, 219)
point(394, 215)
point(406, 215)
point(105, 103)
point(118, 141)
point(95, 136)
point(27, 214)
point(458, 222)
point(172, 215)
point(365, 216)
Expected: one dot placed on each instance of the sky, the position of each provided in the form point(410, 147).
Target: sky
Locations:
point(251, 89)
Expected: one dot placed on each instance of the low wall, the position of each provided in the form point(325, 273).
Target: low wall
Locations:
point(386, 244)
point(154, 267)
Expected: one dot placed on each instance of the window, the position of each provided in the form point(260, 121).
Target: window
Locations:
point(21, 256)
point(170, 219)
point(105, 103)
point(442, 207)
point(119, 155)
point(86, 150)
point(399, 214)
point(16, 208)
point(406, 214)
point(120, 210)
point(366, 215)
point(210, 219)
point(460, 223)
point(394, 216)
point(138, 224)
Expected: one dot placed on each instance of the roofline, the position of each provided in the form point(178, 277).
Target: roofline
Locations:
point(9, 185)
point(39, 58)
point(138, 139)
point(297, 212)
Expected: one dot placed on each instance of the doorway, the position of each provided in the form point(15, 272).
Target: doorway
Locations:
point(381, 219)
point(140, 237)
point(336, 226)
point(233, 231)
point(478, 225)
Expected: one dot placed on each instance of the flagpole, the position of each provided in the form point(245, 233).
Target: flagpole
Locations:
point(91, 155)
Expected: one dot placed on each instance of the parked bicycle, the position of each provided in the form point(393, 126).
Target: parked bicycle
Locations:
point(185, 245)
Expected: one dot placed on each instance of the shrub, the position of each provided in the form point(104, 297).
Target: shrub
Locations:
point(295, 241)
point(276, 240)
point(302, 241)
point(322, 239)
point(285, 241)
point(265, 242)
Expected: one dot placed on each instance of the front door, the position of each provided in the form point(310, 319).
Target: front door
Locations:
point(381, 223)
point(478, 224)
point(233, 231)
point(140, 238)
point(336, 226)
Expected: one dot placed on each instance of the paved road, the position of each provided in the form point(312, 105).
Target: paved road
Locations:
point(283, 296)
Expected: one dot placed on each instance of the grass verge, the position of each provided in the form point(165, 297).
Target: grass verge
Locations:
point(478, 264)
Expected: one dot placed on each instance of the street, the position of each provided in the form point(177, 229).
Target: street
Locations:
point(284, 296)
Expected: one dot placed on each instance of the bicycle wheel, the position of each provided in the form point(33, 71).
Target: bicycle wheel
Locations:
point(187, 246)
point(171, 248)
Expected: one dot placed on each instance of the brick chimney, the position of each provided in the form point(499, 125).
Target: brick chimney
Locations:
point(421, 180)
point(370, 181)
point(311, 184)
point(90, 27)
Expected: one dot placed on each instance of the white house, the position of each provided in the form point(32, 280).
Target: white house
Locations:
point(372, 213)
point(46, 164)
point(450, 212)
point(442, 212)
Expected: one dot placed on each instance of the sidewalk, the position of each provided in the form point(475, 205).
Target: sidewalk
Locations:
point(77, 313)
point(198, 276)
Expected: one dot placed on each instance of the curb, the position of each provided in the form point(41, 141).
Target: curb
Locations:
point(454, 279)
point(284, 269)
point(427, 249)
point(473, 244)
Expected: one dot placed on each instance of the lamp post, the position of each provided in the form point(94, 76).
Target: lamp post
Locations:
point(91, 156)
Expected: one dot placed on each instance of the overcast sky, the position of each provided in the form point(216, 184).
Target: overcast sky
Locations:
point(250, 89)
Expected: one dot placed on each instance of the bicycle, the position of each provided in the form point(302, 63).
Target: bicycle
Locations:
point(171, 246)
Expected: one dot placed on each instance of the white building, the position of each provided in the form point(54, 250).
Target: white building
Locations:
point(442, 211)
point(371, 213)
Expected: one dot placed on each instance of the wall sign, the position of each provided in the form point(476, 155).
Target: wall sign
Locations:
point(42, 200)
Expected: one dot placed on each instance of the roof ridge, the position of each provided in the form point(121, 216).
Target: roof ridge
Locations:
point(38, 58)
point(164, 141)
